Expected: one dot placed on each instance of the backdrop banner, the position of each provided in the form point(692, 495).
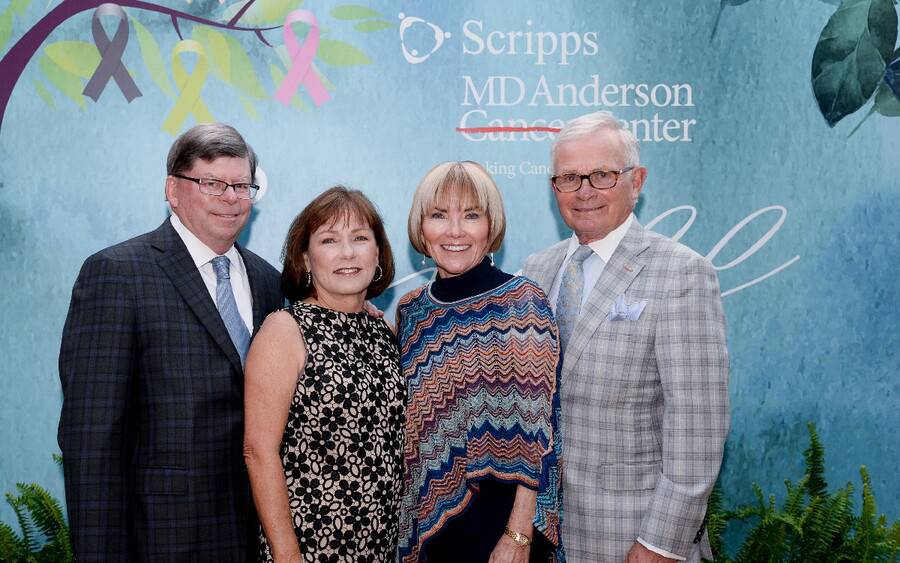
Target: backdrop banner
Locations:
point(769, 129)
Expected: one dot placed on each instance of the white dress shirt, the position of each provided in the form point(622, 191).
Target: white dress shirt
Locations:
point(593, 267)
point(203, 255)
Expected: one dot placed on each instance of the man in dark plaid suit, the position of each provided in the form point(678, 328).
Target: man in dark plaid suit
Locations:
point(644, 388)
point(151, 367)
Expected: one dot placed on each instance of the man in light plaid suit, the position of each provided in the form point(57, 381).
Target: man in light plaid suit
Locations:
point(644, 388)
point(151, 367)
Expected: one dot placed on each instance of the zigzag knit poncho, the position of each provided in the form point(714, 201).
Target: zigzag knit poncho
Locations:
point(483, 402)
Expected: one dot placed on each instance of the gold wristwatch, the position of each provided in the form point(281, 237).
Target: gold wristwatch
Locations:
point(520, 539)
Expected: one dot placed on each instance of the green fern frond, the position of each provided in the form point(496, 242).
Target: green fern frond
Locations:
point(814, 457)
point(813, 525)
point(29, 541)
point(12, 548)
point(44, 536)
point(58, 459)
point(794, 504)
point(63, 541)
point(760, 496)
point(893, 541)
point(46, 512)
point(716, 522)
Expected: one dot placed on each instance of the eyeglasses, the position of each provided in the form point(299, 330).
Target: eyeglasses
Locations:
point(211, 186)
point(599, 180)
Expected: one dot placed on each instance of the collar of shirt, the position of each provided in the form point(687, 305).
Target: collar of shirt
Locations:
point(200, 253)
point(594, 265)
point(605, 247)
point(202, 256)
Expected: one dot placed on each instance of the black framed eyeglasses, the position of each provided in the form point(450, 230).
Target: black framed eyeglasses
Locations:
point(598, 179)
point(211, 186)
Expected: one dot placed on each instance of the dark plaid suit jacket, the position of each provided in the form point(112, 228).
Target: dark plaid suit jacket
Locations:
point(151, 428)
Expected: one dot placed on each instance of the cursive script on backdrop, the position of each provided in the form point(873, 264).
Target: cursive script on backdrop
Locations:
point(714, 252)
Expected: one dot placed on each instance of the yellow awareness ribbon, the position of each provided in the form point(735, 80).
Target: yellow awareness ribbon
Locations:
point(190, 85)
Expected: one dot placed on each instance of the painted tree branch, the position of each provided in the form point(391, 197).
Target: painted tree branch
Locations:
point(17, 58)
point(241, 13)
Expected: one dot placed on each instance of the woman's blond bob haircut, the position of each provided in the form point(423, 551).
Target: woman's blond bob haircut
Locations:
point(467, 183)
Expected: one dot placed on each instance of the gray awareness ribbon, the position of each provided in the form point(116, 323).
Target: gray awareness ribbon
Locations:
point(111, 52)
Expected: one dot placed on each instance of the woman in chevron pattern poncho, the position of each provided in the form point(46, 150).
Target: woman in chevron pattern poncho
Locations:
point(479, 350)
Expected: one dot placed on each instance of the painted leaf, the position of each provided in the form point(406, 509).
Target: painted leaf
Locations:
point(722, 4)
point(283, 56)
point(243, 74)
point(153, 58)
point(230, 61)
point(248, 108)
point(887, 97)
point(886, 103)
point(892, 74)
point(77, 57)
point(216, 49)
point(325, 82)
point(43, 93)
point(65, 82)
point(354, 12)
point(262, 12)
point(339, 53)
point(849, 58)
point(372, 25)
point(19, 6)
point(277, 77)
point(5, 28)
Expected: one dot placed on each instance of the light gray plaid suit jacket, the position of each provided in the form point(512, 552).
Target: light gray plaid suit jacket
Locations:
point(644, 402)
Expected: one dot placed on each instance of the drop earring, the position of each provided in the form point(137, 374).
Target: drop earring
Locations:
point(491, 254)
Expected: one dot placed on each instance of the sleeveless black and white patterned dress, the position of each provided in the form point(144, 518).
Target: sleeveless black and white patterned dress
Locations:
point(342, 446)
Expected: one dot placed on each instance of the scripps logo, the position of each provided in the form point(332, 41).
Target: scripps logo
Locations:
point(411, 27)
point(420, 39)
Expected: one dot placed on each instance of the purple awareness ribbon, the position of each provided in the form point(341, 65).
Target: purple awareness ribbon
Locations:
point(111, 52)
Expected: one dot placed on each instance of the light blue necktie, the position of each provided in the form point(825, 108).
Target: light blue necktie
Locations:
point(571, 291)
point(227, 306)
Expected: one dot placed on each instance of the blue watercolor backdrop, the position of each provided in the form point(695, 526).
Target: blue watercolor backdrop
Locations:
point(816, 341)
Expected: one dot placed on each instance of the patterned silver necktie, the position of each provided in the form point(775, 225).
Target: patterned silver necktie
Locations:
point(227, 306)
point(571, 290)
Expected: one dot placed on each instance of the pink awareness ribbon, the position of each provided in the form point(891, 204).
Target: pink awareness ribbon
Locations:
point(301, 71)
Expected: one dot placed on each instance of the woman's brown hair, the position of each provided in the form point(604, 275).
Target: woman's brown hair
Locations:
point(332, 205)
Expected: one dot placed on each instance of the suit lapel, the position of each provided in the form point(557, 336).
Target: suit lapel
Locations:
point(176, 262)
point(548, 265)
point(624, 266)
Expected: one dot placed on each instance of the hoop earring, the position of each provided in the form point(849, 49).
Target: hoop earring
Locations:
point(491, 254)
point(308, 279)
point(380, 272)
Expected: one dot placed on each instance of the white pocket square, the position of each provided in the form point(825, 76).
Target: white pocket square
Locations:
point(622, 311)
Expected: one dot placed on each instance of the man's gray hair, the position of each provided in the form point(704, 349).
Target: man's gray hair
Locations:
point(590, 123)
point(208, 141)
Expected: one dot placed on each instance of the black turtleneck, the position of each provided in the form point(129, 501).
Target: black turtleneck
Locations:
point(483, 277)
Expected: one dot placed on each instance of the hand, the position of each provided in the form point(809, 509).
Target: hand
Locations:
point(372, 310)
point(507, 551)
point(640, 554)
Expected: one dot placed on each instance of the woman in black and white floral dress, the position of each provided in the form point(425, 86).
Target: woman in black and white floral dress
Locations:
point(324, 395)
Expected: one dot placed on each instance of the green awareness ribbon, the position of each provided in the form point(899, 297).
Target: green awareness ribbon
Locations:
point(191, 85)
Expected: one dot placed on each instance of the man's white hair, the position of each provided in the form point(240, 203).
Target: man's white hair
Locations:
point(591, 123)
